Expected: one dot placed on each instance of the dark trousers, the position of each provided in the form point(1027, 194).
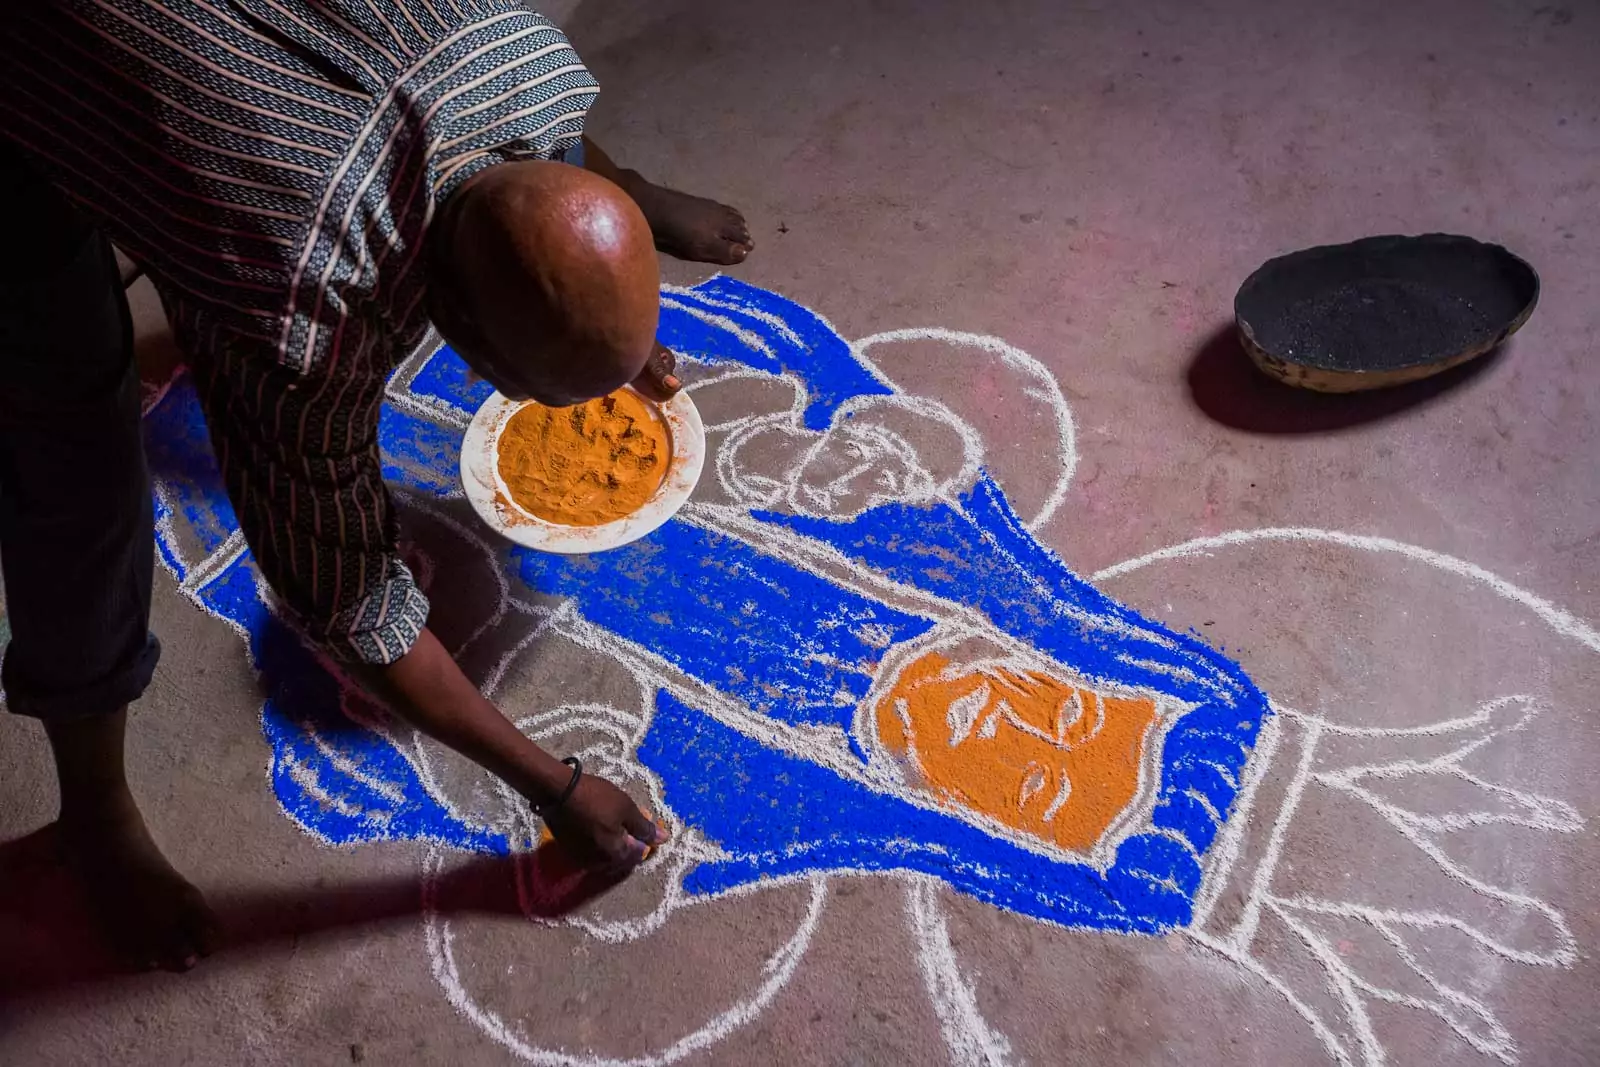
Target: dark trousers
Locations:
point(76, 533)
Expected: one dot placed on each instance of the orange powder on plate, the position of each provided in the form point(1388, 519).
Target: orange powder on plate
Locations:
point(1038, 754)
point(585, 465)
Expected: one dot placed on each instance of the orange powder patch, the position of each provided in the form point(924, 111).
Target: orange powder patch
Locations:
point(1039, 755)
point(585, 465)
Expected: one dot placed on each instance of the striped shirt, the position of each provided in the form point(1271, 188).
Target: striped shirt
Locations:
point(274, 165)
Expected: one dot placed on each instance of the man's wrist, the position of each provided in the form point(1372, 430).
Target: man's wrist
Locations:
point(544, 782)
point(574, 775)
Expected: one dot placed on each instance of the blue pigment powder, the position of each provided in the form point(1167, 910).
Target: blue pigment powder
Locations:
point(794, 649)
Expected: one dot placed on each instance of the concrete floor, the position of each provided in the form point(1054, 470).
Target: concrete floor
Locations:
point(1090, 183)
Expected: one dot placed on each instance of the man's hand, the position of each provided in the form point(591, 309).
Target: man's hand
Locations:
point(598, 822)
point(658, 380)
point(602, 827)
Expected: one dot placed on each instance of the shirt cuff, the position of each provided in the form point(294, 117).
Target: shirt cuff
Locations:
point(383, 625)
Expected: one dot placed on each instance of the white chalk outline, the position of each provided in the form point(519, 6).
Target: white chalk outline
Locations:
point(969, 1037)
point(1046, 389)
point(1473, 1021)
point(777, 971)
point(826, 751)
point(1563, 622)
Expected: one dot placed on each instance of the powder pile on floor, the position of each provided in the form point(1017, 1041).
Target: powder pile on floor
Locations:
point(585, 465)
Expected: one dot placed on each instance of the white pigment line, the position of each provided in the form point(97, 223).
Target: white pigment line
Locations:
point(1226, 850)
point(1342, 982)
point(219, 559)
point(1330, 1040)
point(1050, 393)
point(722, 322)
point(777, 972)
point(1562, 622)
point(1245, 932)
point(971, 1040)
point(767, 318)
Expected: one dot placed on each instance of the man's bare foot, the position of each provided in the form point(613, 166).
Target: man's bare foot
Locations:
point(151, 914)
point(689, 227)
point(684, 226)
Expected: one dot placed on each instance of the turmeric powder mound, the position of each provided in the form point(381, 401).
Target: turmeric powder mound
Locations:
point(585, 465)
point(1038, 754)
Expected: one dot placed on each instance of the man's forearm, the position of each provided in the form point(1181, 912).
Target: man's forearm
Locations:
point(427, 689)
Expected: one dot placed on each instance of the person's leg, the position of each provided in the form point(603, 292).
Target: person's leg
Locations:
point(684, 226)
point(76, 546)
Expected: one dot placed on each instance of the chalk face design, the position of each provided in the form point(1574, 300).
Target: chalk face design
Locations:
point(866, 662)
point(1019, 743)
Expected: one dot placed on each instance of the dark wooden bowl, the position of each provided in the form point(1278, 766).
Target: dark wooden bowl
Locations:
point(1381, 311)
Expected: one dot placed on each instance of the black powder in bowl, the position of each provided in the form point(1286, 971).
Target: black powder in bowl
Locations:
point(1385, 303)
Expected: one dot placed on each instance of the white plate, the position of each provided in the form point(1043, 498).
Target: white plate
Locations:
point(480, 476)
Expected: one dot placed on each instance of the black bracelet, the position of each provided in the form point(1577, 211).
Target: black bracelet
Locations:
point(566, 794)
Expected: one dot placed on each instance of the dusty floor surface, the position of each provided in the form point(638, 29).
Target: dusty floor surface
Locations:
point(1410, 872)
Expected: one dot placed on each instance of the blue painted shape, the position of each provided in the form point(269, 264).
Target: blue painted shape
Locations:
point(693, 337)
point(979, 555)
point(970, 555)
point(419, 454)
point(443, 378)
point(231, 595)
point(178, 450)
point(771, 334)
point(777, 815)
point(324, 766)
point(1155, 879)
point(803, 651)
point(787, 643)
point(335, 778)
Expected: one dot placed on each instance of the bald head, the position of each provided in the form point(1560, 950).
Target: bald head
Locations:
point(543, 276)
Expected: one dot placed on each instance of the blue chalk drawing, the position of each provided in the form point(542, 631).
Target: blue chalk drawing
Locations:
point(795, 648)
point(790, 645)
point(337, 779)
point(727, 321)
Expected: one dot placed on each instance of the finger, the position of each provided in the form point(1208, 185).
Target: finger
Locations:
point(652, 389)
point(657, 383)
point(164, 950)
point(662, 369)
point(640, 825)
point(179, 959)
point(629, 853)
point(663, 365)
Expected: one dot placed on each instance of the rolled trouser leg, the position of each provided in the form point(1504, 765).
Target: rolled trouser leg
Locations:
point(76, 529)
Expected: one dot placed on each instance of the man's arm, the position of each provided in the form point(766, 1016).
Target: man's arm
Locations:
point(306, 484)
point(427, 689)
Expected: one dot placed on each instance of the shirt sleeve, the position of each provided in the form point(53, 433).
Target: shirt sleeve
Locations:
point(299, 456)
